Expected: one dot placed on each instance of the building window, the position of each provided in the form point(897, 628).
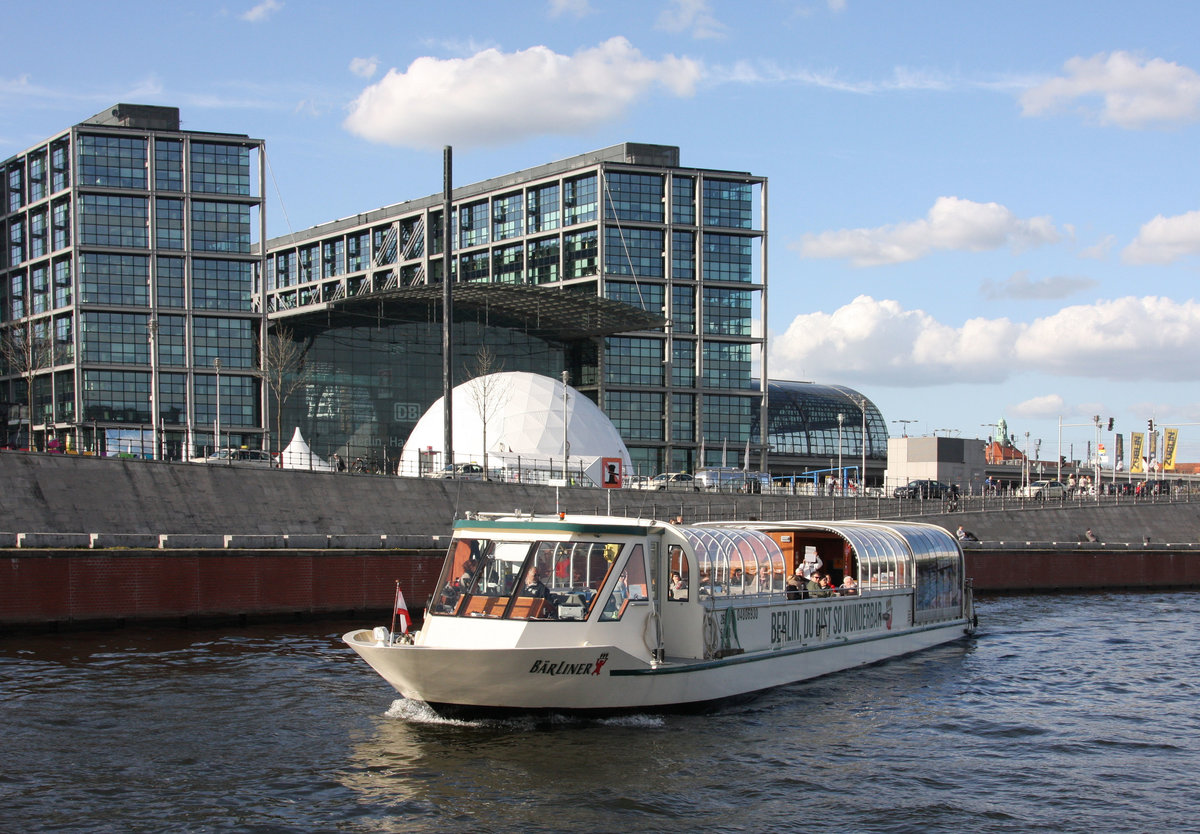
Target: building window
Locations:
point(172, 398)
point(648, 297)
point(60, 166)
point(356, 252)
point(16, 296)
point(333, 258)
point(634, 197)
point(16, 187)
point(220, 169)
point(171, 288)
point(683, 309)
point(308, 261)
point(64, 397)
point(542, 208)
point(508, 264)
point(60, 225)
point(728, 258)
point(683, 200)
point(507, 213)
point(107, 220)
point(473, 224)
point(728, 204)
point(543, 261)
point(16, 241)
point(39, 285)
point(37, 234)
point(474, 267)
point(114, 279)
point(37, 176)
point(683, 418)
point(168, 220)
point(635, 252)
point(579, 200)
point(112, 161)
point(64, 339)
point(726, 365)
point(230, 340)
point(580, 254)
point(220, 227)
point(116, 396)
point(384, 241)
point(168, 165)
point(114, 338)
point(637, 415)
point(633, 361)
point(727, 419)
point(239, 400)
point(62, 282)
point(285, 270)
point(172, 341)
point(683, 256)
point(683, 364)
point(727, 312)
point(221, 285)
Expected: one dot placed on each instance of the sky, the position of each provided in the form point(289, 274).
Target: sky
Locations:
point(976, 211)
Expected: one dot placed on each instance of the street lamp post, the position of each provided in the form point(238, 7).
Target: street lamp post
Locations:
point(841, 480)
point(155, 424)
point(905, 424)
point(217, 420)
point(566, 444)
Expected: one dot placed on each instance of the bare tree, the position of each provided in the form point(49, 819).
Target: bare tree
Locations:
point(488, 394)
point(25, 354)
point(284, 372)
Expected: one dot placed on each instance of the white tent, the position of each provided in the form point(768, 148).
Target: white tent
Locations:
point(298, 455)
point(524, 429)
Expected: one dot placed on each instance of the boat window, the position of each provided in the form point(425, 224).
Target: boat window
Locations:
point(523, 580)
point(735, 562)
point(679, 574)
point(631, 585)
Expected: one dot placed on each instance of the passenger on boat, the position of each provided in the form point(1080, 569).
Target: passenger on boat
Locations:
point(819, 586)
point(676, 583)
point(812, 563)
point(534, 587)
point(849, 586)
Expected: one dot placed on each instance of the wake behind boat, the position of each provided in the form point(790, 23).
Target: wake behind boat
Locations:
point(597, 614)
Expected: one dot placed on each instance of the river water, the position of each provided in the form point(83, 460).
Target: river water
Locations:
point(1065, 714)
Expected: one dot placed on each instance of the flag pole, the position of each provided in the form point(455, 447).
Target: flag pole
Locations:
point(394, 598)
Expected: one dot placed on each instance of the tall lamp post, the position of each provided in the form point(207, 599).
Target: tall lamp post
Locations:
point(841, 479)
point(217, 420)
point(905, 424)
point(155, 425)
point(566, 443)
point(862, 473)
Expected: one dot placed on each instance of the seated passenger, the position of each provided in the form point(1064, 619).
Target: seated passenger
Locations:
point(819, 586)
point(849, 585)
point(735, 580)
point(676, 585)
point(534, 587)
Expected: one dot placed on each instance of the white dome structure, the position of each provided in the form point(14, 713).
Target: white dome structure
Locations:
point(524, 430)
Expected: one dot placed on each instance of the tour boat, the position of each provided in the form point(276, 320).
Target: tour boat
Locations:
point(597, 614)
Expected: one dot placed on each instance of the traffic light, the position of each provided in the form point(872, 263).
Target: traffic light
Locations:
point(1150, 423)
point(1110, 424)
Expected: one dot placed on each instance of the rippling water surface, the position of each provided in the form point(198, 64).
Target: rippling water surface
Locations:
point(1066, 713)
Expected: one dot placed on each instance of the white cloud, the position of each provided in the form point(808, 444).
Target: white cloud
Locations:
point(495, 97)
point(1133, 93)
point(952, 224)
point(1100, 249)
point(1019, 286)
point(1164, 240)
point(882, 343)
point(1043, 407)
point(262, 11)
point(364, 67)
point(693, 15)
point(578, 8)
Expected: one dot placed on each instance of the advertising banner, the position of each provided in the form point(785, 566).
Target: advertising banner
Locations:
point(1170, 439)
point(1135, 453)
point(1119, 453)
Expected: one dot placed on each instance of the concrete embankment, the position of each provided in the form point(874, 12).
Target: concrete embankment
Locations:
point(95, 540)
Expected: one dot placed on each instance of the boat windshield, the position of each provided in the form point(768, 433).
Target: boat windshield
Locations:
point(522, 580)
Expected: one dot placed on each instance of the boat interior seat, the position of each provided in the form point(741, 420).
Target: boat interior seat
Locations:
point(527, 608)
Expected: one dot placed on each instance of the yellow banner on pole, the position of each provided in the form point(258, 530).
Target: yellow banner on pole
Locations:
point(1136, 466)
point(1170, 439)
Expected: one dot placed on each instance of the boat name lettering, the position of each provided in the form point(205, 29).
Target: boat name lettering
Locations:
point(746, 613)
point(562, 667)
point(793, 624)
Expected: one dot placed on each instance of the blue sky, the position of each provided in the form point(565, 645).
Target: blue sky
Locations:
point(976, 210)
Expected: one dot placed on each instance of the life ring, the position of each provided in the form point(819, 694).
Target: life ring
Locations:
point(712, 634)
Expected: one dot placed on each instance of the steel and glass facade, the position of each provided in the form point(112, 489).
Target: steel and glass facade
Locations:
point(681, 249)
point(126, 288)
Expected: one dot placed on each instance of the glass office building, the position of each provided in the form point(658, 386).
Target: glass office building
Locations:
point(638, 277)
point(126, 309)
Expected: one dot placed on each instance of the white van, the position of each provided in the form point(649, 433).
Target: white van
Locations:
point(717, 479)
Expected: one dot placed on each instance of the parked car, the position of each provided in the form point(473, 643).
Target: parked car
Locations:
point(922, 489)
point(733, 480)
point(461, 472)
point(239, 457)
point(672, 481)
point(1042, 490)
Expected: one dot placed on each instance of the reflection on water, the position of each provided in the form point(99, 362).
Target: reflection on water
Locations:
point(1068, 713)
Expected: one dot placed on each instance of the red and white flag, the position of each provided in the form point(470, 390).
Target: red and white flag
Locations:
point(401, 613)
